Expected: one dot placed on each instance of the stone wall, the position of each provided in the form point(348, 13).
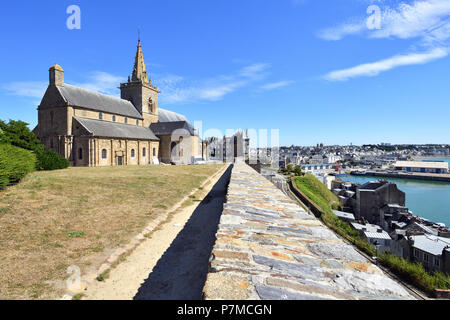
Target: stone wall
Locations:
point(268, 247)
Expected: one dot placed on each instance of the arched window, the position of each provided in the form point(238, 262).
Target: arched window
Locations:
point(52, 115)
point(154, 152)
point(150, 105)
point(114, 118)
point(132, 153)
point(104, 154)
point(100, 116)
point(144, 152)
point(126, 120)
point(137, 122)
point(80, 153)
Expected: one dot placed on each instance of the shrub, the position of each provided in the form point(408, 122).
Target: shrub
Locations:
point(15, 163)
point(415, 273)
point(50, 160)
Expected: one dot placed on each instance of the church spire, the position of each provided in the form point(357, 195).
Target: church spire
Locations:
point(139, 70)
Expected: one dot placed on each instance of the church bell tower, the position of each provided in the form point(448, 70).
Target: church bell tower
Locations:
point(140, 91)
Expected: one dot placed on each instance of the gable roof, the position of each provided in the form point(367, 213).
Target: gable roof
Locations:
point(167, 128)
point(431, 244)
point(100, 128)
point(80, 97)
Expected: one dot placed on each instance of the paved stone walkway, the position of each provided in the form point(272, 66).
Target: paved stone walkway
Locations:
point(268, 247)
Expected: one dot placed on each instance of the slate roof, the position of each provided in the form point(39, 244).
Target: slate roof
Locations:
point(431, 244)
point(100, 128)
point(167, 128)
point(345, 215)
point(378, 235)
point(372, 185)
point(80, 97)
point(169, 116)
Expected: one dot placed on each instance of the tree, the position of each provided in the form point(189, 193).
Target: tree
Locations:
point(289, 168)
point(298, 171)
point(18, 134)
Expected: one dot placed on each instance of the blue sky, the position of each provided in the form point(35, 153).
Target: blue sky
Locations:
point(315, 70)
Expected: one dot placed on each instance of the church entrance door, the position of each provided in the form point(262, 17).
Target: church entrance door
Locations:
point(120, 161)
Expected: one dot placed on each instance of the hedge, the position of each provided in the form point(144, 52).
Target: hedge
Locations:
point(15, 163)
point(50, 160)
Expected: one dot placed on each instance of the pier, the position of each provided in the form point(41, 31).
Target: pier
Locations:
point(442, 177)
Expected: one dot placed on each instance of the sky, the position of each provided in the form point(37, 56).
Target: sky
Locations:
point(319, 71)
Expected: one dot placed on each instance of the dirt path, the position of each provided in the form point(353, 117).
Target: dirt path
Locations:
point(173, 263)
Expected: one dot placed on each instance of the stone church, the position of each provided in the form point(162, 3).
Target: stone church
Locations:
point(93, 129)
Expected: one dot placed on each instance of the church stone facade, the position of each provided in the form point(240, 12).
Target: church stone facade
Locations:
point(93, 129)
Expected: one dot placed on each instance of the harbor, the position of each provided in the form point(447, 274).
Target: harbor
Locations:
point(429, 199)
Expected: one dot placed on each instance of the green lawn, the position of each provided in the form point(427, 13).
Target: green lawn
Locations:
point(78, 216)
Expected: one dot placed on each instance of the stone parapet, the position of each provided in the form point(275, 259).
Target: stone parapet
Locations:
point(269, 248)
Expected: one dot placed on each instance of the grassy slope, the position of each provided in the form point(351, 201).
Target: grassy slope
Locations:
point(318, 193)
point(52, 220)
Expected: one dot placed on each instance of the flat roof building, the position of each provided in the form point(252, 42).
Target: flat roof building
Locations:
point(422, 166)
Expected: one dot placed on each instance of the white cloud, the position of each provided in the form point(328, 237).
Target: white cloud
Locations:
point(277, 85)
point(375, 68)
point(99, 81)
point(428, 21)
point(339, 32)
point(177, 89)
point(30, 89)
point(425, 19)
point(102, 82)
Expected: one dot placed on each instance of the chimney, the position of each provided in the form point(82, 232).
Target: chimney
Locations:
point(56, 75)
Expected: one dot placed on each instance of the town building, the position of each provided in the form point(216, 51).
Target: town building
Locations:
point(93, 129)
point(432, 252)
point(372, 198)
point(228, 149)
point(422, 166)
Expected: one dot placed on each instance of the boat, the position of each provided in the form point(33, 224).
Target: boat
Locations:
point(358, 173)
